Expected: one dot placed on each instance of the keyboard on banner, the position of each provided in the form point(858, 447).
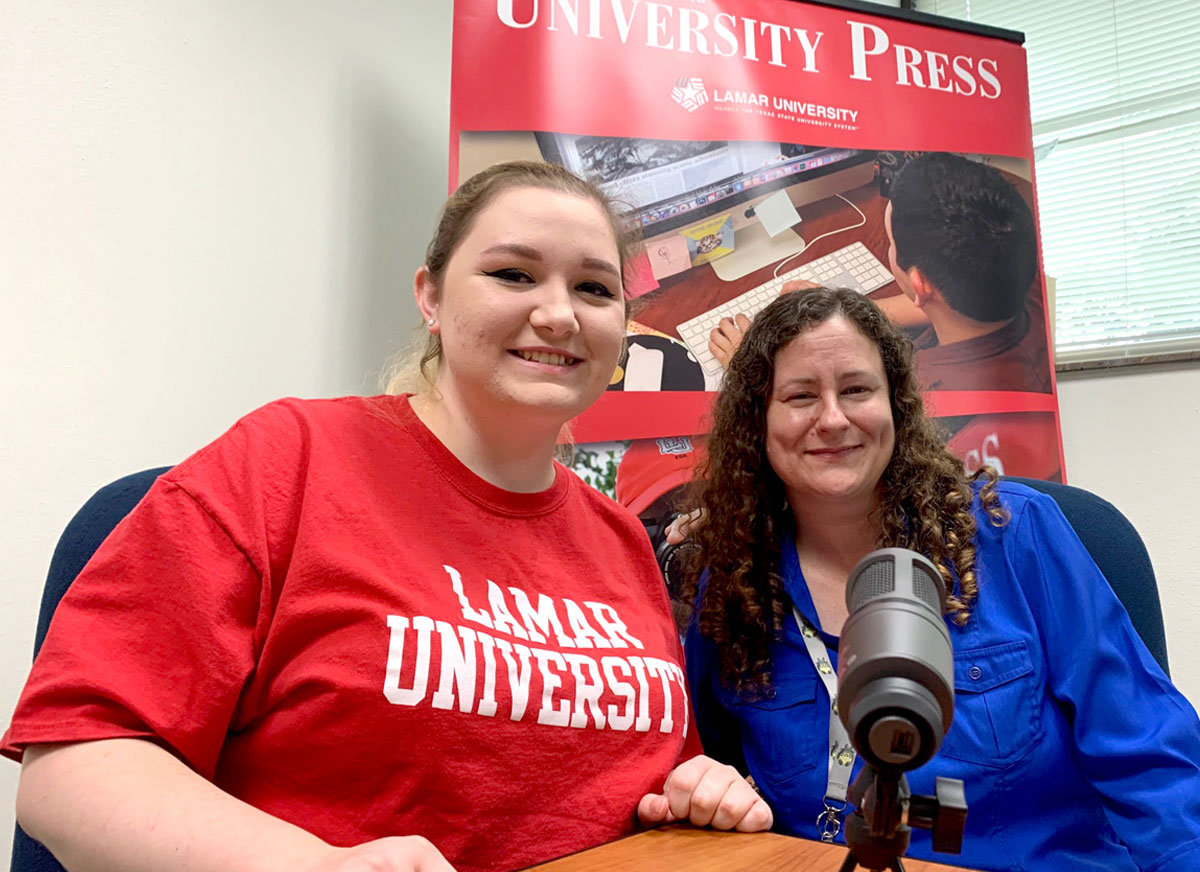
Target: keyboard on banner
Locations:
point(852, 267)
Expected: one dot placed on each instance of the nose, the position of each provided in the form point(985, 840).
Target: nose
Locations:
point(832, 417)
point(554, 310)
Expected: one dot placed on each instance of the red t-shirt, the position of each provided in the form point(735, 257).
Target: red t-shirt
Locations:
point(332, 618)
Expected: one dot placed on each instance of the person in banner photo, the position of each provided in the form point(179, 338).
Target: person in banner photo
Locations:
point(387, 632)
point(1075, 749)
point(962, 247)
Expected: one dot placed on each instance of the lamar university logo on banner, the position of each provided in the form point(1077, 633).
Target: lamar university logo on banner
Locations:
point(689, 93)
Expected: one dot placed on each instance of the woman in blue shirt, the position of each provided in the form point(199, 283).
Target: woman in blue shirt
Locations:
point(1075, 749)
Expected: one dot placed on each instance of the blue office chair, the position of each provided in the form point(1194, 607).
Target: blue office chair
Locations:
point(1119, 552)
point(1112, 541)
point(83, 535)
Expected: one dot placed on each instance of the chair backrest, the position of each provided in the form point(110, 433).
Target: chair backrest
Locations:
point(83, 535)
point(1119, 552)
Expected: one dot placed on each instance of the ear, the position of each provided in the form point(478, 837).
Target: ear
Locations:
point(922, 289)
point(425, 293)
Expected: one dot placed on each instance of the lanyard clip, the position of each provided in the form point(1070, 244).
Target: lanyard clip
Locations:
point(829, 822)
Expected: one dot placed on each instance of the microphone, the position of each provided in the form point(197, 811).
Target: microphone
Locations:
point(896, 700)
point(895, 661)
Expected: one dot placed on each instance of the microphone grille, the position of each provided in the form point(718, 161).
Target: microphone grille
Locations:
point(877, 579)
point(927, 588)
point(896, 570)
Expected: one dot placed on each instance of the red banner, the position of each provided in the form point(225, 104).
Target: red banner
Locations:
point(756, 142)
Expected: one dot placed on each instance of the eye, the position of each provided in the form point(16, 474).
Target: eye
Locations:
point(596, 289)
point(517, 276)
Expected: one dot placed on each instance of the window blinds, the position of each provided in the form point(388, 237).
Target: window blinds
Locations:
point(1115, 100)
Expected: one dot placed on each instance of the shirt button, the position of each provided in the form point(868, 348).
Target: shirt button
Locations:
point(975, 672)
point(771, 694)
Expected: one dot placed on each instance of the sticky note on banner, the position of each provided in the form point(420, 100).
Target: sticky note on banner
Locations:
point(710, 240)
point(668, 256)
point(777, 213)
point(639, 276)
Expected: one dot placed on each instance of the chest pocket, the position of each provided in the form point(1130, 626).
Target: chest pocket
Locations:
point(784, 731)
point(997, 711)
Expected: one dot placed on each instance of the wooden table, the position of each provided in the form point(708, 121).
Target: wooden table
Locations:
point(699, 850)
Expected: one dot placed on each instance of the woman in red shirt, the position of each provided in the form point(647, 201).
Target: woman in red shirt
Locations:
point(390, 632)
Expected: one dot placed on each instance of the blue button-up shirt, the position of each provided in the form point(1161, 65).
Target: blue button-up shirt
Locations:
point(1076, 750)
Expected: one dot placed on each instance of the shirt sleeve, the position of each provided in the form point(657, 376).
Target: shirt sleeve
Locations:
point(155, 638)
point(1137, 739)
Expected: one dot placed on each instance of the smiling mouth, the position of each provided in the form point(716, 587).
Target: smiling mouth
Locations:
point(547, 357)
point(832, 452)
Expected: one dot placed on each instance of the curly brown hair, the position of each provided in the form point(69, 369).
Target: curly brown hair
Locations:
point(925, 493)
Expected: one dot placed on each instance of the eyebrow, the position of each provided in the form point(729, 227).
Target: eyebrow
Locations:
point(513, 248)
point(533, 254)
point(602, 265)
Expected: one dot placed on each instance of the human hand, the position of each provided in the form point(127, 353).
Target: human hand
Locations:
point(394, 854)
point(706, 793)
point(725, 338)
point(684, 525)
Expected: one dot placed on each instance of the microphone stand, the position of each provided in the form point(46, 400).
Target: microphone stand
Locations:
point(878, 831)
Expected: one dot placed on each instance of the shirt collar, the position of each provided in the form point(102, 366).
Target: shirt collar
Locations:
point(797, 588)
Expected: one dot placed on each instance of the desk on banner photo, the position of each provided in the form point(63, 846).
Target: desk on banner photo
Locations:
point(701, 850)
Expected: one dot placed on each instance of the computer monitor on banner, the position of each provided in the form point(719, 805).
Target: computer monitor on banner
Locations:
point(669, 186)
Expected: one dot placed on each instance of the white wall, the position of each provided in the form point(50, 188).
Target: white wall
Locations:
point(1131, 436)
point(203, 206)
